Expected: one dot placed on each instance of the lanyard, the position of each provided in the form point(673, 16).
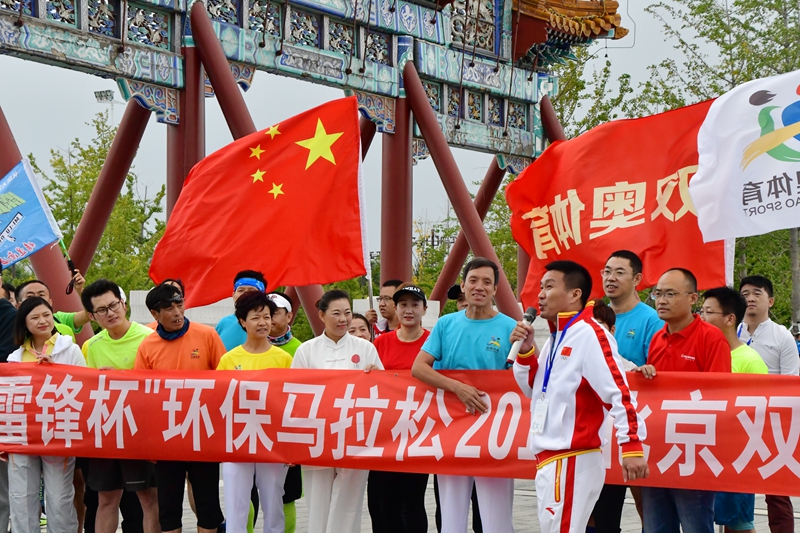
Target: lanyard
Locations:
point(548, 367)
point(739, 334)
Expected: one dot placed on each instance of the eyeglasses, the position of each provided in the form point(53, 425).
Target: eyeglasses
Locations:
point(701, 312)
point(103, 311)
point(667, 295)
point(384, 299)
point(607, 272)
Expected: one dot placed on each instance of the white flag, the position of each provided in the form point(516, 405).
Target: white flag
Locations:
point(748, 180)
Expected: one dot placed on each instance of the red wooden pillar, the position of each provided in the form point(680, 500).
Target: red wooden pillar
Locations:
point(238, 118)
point(109, 184)
point(186, 141)
point(523, 264)
point(454, 185)
point(48, 264)
point(397, 217)
point(458, 253)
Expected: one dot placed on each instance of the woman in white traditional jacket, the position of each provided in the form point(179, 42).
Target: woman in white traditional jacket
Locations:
point(39, 342)
point(335, 496)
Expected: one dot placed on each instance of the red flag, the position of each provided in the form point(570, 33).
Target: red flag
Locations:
point(284, 200)
point(622, 185)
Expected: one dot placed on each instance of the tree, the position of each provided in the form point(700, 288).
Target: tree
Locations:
point(134, 228)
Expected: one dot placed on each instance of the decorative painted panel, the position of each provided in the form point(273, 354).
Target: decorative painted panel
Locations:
point(61, 11)
point(453, 102)
point(419, 150)
point(304, 28)
point(469, 15)
point(517, 115)
point(340, 38)
point(434, 92)
point(494, 111)
point(379, 109)
point(103, 17)
point(378, 48)
point(264, 16)
point(14, 5)
point(475, 106)
point(489, 76)
point(224, 10)
point(148, 26)
point(162, 101)
point(512, 164)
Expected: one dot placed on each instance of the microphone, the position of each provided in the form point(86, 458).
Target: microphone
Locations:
point(527, 319)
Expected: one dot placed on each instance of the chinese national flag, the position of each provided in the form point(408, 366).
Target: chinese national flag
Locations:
point(284, 200)
point(622, 185)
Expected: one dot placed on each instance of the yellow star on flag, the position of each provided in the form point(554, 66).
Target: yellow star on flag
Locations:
point(272, 131)
point(276, 190)
point(256, 152)
point(258, 176)
point(320, 145)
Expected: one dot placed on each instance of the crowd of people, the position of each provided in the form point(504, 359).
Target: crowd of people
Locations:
point(573, 381)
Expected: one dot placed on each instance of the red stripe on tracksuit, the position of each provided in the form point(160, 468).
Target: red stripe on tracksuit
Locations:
point(569, 495)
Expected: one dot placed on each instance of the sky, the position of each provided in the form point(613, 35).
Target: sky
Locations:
point(47, 107)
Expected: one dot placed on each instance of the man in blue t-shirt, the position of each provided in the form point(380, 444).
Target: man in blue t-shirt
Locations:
point(476, 338)
point(228, 328)
point(635, 326)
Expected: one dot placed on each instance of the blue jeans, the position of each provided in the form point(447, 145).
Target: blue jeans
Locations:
point(669, 510)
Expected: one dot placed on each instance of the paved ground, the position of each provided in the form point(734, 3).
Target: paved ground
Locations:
point(524, 513)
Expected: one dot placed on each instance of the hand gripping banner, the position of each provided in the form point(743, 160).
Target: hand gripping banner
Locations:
point(704, 431)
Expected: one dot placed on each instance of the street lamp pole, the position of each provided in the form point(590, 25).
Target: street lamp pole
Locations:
point(107, 97)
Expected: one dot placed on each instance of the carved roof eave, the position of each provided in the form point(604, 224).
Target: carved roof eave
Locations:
point(580, 18)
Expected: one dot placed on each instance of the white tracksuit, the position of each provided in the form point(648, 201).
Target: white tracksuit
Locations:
point(25, 471)
point(587, 376)
point(335, 496)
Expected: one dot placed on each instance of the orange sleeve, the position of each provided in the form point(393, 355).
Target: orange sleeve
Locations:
point(141, 362)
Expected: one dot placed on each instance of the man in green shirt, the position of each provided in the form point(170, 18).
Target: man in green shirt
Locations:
point(66, 323)
point(724, 308)
point(115, 348)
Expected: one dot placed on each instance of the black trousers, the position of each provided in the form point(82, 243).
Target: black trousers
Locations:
point(129, 507)
point(396, 502)
point(477, 525)
point(608, 509)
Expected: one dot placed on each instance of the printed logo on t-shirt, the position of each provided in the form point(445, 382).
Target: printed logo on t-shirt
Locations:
point(493, 345)
point(687, 357)
point(355, 359)
point(237, 367)
point(195, 353)
point(631, 334)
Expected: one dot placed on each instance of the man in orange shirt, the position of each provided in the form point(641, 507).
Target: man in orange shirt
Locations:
point(685, 344)
point(181, 345)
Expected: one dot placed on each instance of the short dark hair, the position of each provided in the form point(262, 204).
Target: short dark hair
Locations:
point(575, 277)
point(98, 288)
point(178, 282)
point(21, 288)
point(20, 326)
point(633, 259)
point(480, 262)
point(359, 316)
point(331, 296)
point(10, 289)
point(253, 301)
point(602, 312)
point(159, 296)
point(730, 301)
point(255, 274)
point(686, 274)
point(392, 283)
point(758, 281)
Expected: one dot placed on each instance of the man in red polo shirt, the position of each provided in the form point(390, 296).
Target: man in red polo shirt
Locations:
point(685, 344)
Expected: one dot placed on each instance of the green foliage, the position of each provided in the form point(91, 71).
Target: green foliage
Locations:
point(133, 230)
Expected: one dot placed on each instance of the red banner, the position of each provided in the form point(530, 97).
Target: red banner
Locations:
point(705, 431)
point(624, 184)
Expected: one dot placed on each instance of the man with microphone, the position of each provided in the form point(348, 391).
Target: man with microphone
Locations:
point(476, 339)
point(572, 381)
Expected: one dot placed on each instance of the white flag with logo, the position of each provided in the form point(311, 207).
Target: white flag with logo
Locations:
point(748, 176)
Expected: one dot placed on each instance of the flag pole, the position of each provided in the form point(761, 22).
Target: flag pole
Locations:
point(70, 265)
